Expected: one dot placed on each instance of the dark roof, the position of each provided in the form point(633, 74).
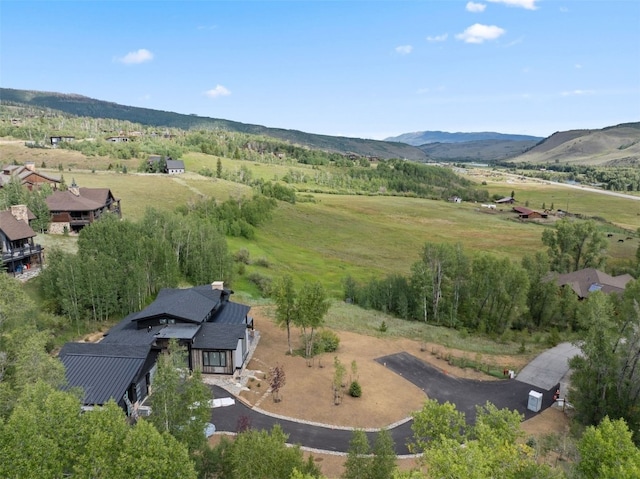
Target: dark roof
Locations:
point(588, 280)
point(178, 331)
point(231, 313)
point(219, 336)
point(88, 199)
point(522, 210)
point(103, 371)
point(126, 332)
point(14, 229)
point(192, 305)
point(175, 165)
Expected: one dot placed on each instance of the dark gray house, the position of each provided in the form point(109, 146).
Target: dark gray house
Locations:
point(215, 331)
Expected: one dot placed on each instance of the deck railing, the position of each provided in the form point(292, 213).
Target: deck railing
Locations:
point(22, 252)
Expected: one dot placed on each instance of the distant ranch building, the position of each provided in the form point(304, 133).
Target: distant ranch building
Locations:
point(528, 214)
point(167, 165)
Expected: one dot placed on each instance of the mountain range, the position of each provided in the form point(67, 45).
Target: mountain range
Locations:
point(612, 146)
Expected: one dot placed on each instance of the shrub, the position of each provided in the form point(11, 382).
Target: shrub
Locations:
point(242, 256)
point(262, 282)
point(383, 327)
point(262, 261)
point(326, 341)
point(355, 390)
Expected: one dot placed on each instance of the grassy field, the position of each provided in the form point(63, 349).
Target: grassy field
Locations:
point(621, 213)
point(333, 236)
point(138, 191)
point(366, 237)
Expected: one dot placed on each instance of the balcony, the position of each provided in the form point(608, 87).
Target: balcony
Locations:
point(15, 254)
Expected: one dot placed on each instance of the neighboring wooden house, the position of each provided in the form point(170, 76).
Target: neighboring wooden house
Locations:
point(528, 214)
point(27, 176)
point(455, 199)
point(75, 208)
point(586, 281)
point(216, 332)
point(19, 252)
point(507, 200)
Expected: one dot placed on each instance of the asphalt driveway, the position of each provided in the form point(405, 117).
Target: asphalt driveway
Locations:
point(466, 393)
point(304, 434)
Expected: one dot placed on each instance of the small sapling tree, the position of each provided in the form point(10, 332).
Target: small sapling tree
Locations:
point(277, 380)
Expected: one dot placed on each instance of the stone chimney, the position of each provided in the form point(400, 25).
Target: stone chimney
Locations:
point(19, 212)
point(73, 189)
point(30, 165)
point(217, 285)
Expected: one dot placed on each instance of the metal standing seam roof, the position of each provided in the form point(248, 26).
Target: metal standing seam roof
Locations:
point(103, 371)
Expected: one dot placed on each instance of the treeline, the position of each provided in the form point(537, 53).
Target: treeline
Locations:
point(447, 287)
point(13, 193)
point(120, 264)
point(614, 178)
point(488, 294)
point(416, 179)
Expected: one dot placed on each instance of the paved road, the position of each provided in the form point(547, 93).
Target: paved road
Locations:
point(464, 393)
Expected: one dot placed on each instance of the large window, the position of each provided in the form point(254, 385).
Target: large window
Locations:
point(214, 358)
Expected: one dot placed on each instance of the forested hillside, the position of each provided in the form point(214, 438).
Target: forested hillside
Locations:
point(78, 105)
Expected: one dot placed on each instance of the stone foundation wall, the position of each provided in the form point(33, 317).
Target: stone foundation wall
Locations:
point(59, 228)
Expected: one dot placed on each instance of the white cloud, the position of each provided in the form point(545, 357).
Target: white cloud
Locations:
point(139, 56)
point(528, 4)
point(438, 38)
point(578, 92)
point(404, 49)
point(578, 66)
point(475, 7)
point(218, 91)
point(478, 33)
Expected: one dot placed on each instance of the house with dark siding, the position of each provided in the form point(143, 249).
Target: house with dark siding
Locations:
point(216, 333)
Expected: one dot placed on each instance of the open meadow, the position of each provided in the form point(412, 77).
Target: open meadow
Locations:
point(332, 236)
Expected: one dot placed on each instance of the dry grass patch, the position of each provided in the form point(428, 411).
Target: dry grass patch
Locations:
point(386, 397)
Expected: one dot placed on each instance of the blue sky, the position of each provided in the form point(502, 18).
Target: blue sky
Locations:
point(369, 69)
